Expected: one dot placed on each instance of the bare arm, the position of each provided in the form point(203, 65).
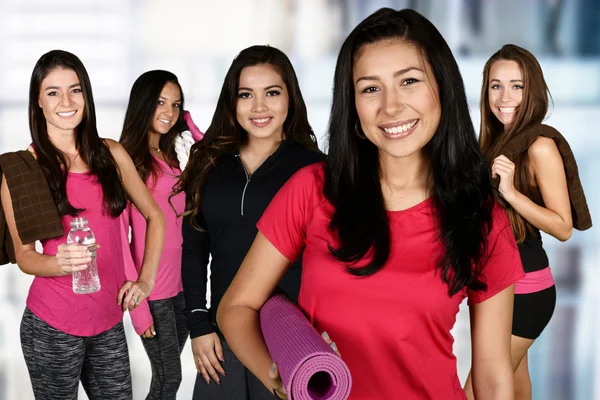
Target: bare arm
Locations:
point(555, 219)
point(69, 258)
point(238, 313)
point(155, 232)
point(491, 322)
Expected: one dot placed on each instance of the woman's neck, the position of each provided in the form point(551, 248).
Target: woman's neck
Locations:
point(255, 151)
point(405, 181)
point(63, 140)
point(66, 143)
point(154, 140)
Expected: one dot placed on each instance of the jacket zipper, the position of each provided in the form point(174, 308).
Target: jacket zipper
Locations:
point(245, 186)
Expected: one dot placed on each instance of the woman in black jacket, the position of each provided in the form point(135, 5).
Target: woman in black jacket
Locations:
point(258, 138)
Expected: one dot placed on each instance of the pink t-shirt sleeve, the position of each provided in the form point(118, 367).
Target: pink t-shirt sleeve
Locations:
point(503, 267)
point(141, 318)
point(284, 222)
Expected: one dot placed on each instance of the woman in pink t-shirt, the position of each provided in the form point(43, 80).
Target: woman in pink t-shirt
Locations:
point(397, 228)
point(153, 127)
point(67, 337)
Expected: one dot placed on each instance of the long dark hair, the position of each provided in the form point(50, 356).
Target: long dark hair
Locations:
point(225, 134)
point(462, 191)
point(138, 122)
point(94, 152)
point(532, 111)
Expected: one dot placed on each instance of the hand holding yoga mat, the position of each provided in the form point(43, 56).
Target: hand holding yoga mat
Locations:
point(308, 366)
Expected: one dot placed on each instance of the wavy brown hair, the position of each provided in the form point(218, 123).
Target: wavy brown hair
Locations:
point(493, 138)
point(225, 134)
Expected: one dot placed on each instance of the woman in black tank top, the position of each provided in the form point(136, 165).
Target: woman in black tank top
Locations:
point(532, 185)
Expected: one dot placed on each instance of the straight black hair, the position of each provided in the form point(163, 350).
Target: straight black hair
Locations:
point(94, 152)
point(462, 191)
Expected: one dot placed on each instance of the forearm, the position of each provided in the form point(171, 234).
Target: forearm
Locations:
point(241, 328)
point(194, 269)
point(196, 311)
point(33, 263)
point(493, 381)
point(542, 218)
point(193, 277)
point(155, 237)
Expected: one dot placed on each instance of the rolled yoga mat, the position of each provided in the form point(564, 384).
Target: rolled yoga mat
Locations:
point(308, 366)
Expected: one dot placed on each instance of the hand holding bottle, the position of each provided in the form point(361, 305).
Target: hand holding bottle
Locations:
point(85, 280)
point(73, 257)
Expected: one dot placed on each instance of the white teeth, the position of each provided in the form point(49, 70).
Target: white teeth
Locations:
point(66, 114)
point(261, 120)
point(400, 129)
point(507, 109)
point(164, 121)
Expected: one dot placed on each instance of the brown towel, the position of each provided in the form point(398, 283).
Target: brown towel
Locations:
point(582, 219)
point(36, 215)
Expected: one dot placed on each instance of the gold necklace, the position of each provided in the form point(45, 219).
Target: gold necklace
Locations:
point(154, 148)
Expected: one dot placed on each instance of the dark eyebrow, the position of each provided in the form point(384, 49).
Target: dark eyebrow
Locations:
point(70, 87)
point(512, 80)
point(396, 74)
point(267, 88)
point(176, 101)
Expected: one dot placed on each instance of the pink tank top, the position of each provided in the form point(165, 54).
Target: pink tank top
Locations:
point(168, 277)
point(52, 299)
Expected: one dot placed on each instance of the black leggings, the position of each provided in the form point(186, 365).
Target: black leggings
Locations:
point(164, 349)
point(238, 384)
point(57, 362)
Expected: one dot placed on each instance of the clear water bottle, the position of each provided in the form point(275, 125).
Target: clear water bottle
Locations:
point(85, 281)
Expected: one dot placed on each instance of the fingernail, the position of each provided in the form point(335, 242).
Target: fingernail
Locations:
point(325, 335)
point(334, 346)
point(153, 333)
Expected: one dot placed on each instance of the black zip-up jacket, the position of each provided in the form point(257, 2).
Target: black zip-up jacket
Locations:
point(232, 203)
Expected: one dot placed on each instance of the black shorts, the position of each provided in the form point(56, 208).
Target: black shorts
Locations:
point(532, 312)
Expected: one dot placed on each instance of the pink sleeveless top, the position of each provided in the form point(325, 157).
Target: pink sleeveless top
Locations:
point(168, 277)
point(52, 299)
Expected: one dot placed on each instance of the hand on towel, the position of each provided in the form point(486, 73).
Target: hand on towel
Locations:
point(208, 352)
point(504, 168)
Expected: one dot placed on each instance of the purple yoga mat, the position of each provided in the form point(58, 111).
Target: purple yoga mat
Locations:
point(309, 368)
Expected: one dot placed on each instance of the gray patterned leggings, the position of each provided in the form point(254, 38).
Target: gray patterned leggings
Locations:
point(164, 349)
point(57, 362)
